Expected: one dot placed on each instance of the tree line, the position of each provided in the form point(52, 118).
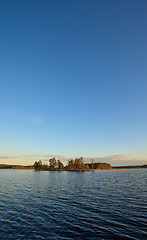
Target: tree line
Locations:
point(73, 165)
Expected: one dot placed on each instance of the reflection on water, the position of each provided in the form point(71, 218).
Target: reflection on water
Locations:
point(72, 205)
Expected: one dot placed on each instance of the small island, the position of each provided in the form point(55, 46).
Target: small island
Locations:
point(73, 165)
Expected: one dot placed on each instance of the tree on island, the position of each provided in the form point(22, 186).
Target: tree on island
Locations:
point(52, 163)
point(55, 164)
point(60, 165)
point(38, 165)
point(76, 165)
point(79, 165)
point(73, 165)
point(99, 165)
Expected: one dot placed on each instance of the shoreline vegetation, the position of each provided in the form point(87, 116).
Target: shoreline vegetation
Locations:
point(76, 165)
point(8, 166)
point(73, 165)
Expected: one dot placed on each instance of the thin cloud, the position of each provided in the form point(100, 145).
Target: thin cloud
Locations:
point(44, 156)
point(35, 119)
point(7, 157)
point(33, 155)
point(113, 158)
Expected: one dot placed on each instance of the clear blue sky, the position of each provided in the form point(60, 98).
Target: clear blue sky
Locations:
point(73, 80)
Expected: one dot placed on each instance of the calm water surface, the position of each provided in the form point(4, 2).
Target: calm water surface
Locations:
point(71, 205)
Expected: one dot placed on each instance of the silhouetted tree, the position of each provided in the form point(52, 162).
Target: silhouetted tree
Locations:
point(92, 165)
point(60, 165)
point(86, 167)
point(79, 165)
point(52, 163)
point(99, 165)
point(38, 165)
point(76, 165)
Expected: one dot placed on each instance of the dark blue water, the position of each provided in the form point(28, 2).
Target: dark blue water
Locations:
point(72, 205)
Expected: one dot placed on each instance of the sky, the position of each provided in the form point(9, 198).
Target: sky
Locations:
point(73, 81)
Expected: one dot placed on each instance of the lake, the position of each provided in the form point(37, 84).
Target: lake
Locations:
point(103, 204)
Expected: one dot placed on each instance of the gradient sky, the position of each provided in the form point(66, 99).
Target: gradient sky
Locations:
point(73, 80)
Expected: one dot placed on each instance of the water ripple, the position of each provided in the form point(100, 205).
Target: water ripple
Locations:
point(46, 205)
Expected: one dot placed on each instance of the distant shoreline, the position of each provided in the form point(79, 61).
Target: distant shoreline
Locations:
point(7, 166)
point(130, 167)
point(115, 168)
point(125, 169)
